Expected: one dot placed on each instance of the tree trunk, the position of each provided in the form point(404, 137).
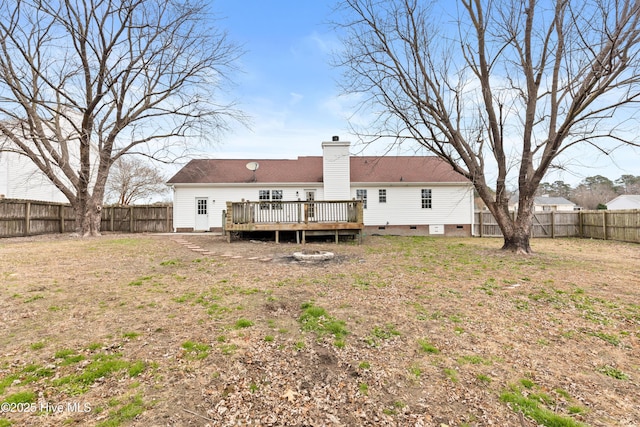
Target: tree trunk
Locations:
point(517, 242)
point(88, 218)
point(516, 231)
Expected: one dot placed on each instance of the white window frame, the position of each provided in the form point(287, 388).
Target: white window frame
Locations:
point(361, 194)
point(426, 198)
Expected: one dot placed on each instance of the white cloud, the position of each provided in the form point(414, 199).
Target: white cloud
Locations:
point(295, 98)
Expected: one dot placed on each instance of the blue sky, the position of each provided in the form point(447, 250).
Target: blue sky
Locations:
point(287, 85)
point(289, 89)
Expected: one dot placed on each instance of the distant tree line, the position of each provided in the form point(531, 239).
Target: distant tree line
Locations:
point(593, 192)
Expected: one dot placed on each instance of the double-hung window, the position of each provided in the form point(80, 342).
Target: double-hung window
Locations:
point(276, 196)
point(382, 196)
point(426, 198)
point(266, 196)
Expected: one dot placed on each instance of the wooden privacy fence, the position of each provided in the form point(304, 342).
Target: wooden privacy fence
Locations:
point(622, 225)
point(28, 218)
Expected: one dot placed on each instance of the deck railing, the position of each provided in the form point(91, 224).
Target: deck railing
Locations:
point(281, 212)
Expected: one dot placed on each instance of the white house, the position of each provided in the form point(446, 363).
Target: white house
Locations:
point(402, 194)
point(624, 201)
point(547, 204)
point(21, 179)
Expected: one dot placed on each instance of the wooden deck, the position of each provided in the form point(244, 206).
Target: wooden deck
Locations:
point(335, 218)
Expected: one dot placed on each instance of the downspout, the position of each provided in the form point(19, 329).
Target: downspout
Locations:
point(173, 211)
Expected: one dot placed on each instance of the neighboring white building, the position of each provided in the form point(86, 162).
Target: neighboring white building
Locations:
point(403, 194)
point(21, 179)
point(625, 201)
point(547, 204)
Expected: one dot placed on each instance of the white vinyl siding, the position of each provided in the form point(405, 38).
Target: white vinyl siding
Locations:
point(20, 178)
point(451, 204)
point(336, 170)
point(185, 195)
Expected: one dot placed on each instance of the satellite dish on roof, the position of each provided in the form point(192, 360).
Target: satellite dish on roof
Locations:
point(253, 166)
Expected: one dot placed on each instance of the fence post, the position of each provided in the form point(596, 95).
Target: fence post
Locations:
point(131, 222)
point(480, 220)
point(553, 225)
point(580, 225)
point(167, 229)
point(61, 216)
point(27, 218)
point(604, 224)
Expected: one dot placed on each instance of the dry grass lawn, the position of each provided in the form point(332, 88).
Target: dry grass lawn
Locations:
point(168, 330)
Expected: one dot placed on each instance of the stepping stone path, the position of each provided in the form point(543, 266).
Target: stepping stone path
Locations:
point(195, 248)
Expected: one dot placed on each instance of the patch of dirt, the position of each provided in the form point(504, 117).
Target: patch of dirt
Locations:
point(439, 331)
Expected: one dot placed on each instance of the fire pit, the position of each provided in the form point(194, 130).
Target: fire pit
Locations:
point(313, 256)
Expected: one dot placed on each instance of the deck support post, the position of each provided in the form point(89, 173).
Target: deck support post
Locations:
point(277, 236)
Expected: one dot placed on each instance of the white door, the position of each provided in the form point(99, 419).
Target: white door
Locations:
point(202, 214)
point(310, 196)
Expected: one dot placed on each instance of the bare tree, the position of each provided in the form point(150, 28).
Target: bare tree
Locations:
point(84, 82)
point(132, 180)
point(500, 89)
point(594, 191)
point(628, 184)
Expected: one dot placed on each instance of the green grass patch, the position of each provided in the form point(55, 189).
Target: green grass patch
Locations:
point(537, 405)
point(243, 323)
point(474, 360)
point(427, 347)
point(185, 297)
point(125, 413)
point(36, 372)
point(415, 370)
point(452, 374)
point(21, 397)
point(102, 366)
point(5, 423)
point(7, 381)
point(228, 349)
point(612, 372)
point(68, 356)
point(94, 346)
point(141, 281)
point(195, 350)
point(316, 319)
point(363, 388)
point(33, 298)
point(611, 339)
point(484, 378)
point(37, 345)
point(379, 333)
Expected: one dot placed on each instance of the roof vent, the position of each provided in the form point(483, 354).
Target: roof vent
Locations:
point(335, 138)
